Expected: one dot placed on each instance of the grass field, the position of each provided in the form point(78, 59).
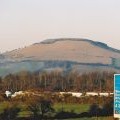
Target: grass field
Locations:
point(78, 108)
point(3, 106)
point(74, 108)
point(93, 118)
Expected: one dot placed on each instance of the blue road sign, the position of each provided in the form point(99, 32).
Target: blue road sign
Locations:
point(117, 95)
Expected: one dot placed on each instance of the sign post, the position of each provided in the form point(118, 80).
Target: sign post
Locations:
point(117, 96)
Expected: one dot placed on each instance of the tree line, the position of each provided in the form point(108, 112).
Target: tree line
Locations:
point(58, 81)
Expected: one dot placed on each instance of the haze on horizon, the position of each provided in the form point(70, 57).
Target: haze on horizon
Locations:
point(23, 22)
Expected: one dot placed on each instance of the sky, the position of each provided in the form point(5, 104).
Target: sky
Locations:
point(24, 22)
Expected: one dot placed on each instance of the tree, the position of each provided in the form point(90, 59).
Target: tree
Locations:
point(40, 108)
point(10, 113)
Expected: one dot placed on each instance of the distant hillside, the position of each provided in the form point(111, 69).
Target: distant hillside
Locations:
point(67, 54)
point(76, 50)
point(100, 44)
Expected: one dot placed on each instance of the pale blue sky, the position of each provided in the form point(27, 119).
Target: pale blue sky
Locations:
point(23, 22)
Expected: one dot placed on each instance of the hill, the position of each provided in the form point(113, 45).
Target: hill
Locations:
point(66, 54)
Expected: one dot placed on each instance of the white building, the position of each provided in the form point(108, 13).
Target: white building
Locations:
point(17, 93)
point(104, 94)
point(8, 93)
point(91, 94)
point(76, 94)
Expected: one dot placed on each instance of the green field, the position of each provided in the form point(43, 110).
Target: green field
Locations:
point(76, 108)
point(93, 118)
point(58, 107)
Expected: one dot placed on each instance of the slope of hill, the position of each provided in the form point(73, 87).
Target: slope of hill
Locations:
point(68, 54)
point(77, 50)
